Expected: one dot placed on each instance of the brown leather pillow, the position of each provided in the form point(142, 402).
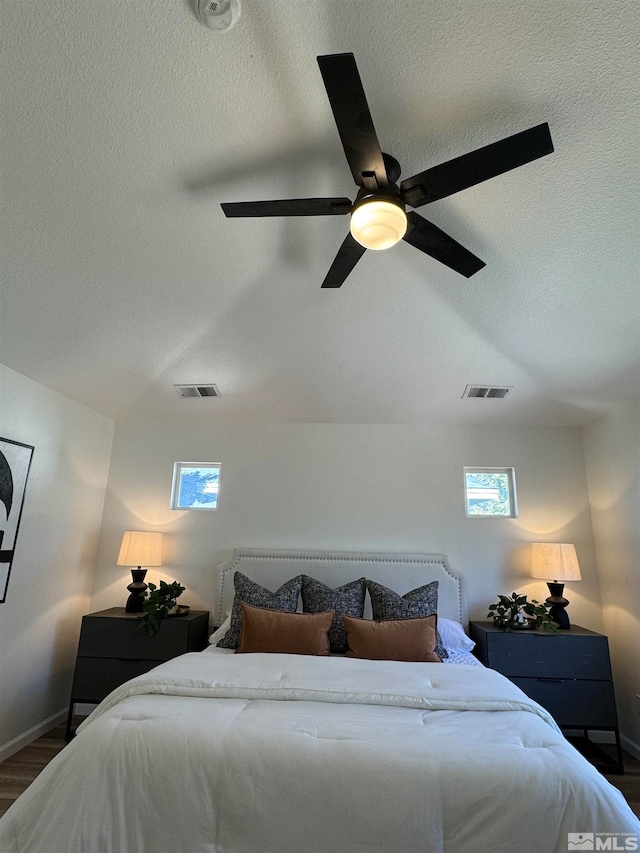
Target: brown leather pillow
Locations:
point(393, 639)
point(266, 630)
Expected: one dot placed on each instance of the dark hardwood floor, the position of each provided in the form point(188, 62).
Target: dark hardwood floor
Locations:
point(19, 771)
point(629, 784)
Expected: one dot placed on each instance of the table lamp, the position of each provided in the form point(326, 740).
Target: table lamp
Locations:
point(555, 563)
point(139, 549)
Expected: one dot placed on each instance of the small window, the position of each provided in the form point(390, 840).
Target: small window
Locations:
point(196, 485)
point(490, 493)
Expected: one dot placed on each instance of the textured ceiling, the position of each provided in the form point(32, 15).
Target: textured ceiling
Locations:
point(125, 124)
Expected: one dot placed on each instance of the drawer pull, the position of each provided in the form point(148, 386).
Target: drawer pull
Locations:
point(552, 680)
point(131, 660)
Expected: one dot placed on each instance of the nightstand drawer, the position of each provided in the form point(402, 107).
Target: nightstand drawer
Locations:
point(95, 678)
point(572, 703)
point(111, 634)
point(551, 656)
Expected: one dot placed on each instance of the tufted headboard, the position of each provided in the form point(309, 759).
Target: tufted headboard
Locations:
point(400, 572)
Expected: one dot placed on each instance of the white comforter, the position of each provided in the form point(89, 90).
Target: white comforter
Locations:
point(290, 754)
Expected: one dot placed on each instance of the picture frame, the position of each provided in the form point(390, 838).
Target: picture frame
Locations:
point(15, 464)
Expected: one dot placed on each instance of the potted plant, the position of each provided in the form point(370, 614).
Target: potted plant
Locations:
point(158, 603)
point(514, 612)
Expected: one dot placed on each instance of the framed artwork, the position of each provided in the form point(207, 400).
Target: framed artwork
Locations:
point(196, 485)
point(15, 461)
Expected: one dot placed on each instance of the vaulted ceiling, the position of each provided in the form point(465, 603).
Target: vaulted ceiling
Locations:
point(125, 124)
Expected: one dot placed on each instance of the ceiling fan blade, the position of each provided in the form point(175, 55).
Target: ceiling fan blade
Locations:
point(288, 207)
point(348, 256)
point(351, 112)
point(427, 237)
point(477, 166)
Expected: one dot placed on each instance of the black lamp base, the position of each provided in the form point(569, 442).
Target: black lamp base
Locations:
point(557, 604)
point(137, 589)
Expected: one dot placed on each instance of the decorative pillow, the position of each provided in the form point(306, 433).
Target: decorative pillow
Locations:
point(395, 639)
point(266, 630)
point(285, 598)
point(347, 599)
point(221, 631)
point(387, 604)
point(453, 636)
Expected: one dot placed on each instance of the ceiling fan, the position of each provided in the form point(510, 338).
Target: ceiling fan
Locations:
point(378, 216)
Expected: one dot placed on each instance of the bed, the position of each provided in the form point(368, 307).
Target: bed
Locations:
point(215, 752)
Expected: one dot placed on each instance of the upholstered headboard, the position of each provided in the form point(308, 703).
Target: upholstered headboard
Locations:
point(400, 572)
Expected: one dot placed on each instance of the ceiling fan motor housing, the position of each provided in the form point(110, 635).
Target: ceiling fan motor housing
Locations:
point(393, 168)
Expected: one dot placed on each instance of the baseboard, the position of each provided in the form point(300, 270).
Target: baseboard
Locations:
point(31, 734)
point(630, 746)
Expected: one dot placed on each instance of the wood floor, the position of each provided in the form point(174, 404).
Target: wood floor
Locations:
point(18, 771)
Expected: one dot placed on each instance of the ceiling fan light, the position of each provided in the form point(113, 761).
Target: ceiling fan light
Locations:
point(378, 224)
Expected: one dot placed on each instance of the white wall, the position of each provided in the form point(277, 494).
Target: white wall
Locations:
point(51, 579)
point(612, 458)
point(351, 487)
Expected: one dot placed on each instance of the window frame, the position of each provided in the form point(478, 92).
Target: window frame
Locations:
point(178, 468)
point(511, 487)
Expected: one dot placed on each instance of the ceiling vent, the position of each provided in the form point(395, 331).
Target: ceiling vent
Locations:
point(198, 390)
point(496, 392)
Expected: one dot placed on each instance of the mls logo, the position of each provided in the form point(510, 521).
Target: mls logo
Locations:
point(602, 841)
point(580, 841)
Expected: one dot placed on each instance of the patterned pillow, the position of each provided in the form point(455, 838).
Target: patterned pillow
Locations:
point(345, 600)
point(285, 598)
point(423, 601)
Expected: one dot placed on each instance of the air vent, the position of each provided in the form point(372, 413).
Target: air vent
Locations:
point(197, 390)
point(496, 392)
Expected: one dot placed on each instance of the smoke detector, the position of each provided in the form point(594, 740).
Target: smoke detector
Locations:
point(219, 15)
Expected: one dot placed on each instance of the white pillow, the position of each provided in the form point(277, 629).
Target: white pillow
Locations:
point(453, 635)
point(219, 633)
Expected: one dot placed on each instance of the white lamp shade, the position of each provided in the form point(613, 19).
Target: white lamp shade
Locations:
point(140, 549)
point(378, 224)
point(554, 561)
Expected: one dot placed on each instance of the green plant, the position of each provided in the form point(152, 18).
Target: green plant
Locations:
point(157, 604)
point(509, 612)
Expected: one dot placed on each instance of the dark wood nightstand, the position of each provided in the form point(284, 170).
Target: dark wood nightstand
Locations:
point(568, 673)
point(113, 649)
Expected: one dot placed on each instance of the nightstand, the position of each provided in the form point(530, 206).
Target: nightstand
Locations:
point(113, 649)
point(568, 673)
